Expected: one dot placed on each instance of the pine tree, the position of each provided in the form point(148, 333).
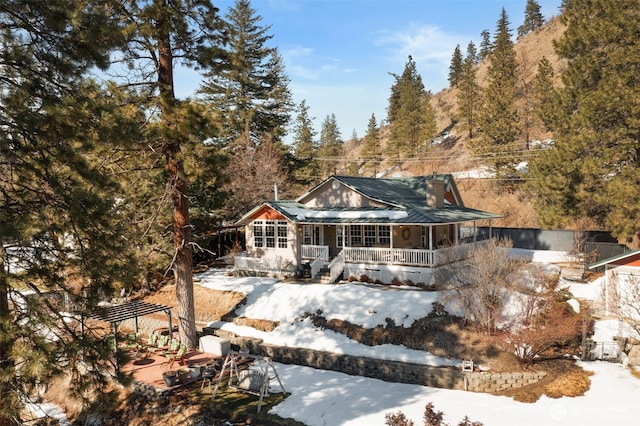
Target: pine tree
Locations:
point(413, 122)
point(485, 45)
point(592, 169)
point(330, 147)
point(547, 101)
point(469, 98)
point(372, 150)
point(499, 118)
point(251, 95)
point(455, 68)
point(533, 19)
point(305, 148)
point(472, 53)
point(59, 227)
point(160, 33)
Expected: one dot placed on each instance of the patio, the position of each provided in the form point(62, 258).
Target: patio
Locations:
point(148, 369)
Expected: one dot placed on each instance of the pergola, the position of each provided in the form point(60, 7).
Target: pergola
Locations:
point(115, 314)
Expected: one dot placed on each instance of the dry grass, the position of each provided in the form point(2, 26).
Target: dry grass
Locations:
point(210, 305)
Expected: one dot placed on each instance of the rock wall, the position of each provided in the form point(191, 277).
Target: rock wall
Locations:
point(390, 371)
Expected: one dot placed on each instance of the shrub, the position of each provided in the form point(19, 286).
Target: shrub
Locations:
point(431, 418)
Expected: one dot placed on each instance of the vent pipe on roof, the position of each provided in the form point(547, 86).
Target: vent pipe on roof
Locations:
point(275, 191)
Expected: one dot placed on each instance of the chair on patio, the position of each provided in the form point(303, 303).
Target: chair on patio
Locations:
point(161, 344)
point(174, 345)
point(177, 356)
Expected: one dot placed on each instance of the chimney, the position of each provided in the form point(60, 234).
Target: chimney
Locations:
point(275, 191)
point(435, 192)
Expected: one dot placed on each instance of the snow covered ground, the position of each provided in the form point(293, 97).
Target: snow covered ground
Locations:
point(330, 398)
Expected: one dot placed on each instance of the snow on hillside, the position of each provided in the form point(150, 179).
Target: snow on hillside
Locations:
point(330, 398)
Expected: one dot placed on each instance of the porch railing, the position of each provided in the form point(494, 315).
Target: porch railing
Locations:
point(416, 257)
point(314, 252)
point(409, 257)
point(336, 267)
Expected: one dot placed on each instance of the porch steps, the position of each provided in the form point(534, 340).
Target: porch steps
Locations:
point(323, 276)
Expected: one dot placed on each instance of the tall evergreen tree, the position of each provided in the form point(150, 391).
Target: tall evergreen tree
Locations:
point(330, 147)
point(252, 95)
point(533, 19)
point(161, 34)
point(410, 114)
point(372, 150)
point(59, 228)
point(472, 53)
point(455, 68)
point(485, 45)
point(469, 97)
point(499, 118)
point(547, 101)
point(593, 170)
point(305, 147)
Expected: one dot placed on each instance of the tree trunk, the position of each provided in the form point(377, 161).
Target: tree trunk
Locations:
point(183, 260)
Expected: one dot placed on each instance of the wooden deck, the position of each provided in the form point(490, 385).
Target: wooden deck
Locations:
point(148, 369)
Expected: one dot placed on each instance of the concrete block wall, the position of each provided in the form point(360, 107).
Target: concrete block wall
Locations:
point(391, 371)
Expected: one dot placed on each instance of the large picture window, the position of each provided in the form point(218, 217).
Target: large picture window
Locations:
point(270, 233)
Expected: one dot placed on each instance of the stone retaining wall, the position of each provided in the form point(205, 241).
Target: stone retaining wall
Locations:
point(390, 371)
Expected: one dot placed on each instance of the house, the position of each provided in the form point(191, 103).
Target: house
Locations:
point(621, 282)
point(384, 229)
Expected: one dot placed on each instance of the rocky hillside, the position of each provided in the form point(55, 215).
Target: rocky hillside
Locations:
point(450, 154)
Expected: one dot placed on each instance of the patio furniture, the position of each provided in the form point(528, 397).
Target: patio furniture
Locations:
point(161, 344)
point(177, 356)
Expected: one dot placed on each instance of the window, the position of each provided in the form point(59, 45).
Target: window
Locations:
point(340, 229)
point(270, 233)
point(369, 235)
point(258, 234)
point(384, 234)
point(356, 235)
point(307, 234)
point(282, 234)
point(424, 235)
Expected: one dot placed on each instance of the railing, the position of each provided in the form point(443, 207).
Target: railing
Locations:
point(416, 257)
point(336, 267)
point(410, 257)
point(316, 265)
point(313, 252)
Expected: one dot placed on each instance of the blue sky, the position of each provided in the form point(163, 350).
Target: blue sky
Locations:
point(339, 53)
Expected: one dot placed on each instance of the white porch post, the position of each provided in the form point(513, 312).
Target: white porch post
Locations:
point(344, 234)
point(456, 233)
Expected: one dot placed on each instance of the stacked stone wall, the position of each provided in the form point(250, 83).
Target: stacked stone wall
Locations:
point(391, 371)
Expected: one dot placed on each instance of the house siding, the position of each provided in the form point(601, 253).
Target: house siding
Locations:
point(288, 254)
point(342, 196)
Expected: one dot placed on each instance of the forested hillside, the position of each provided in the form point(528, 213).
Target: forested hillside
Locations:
point(451, 152)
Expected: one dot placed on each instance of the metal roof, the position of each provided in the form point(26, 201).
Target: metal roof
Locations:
point(406, 194)
point(117, 313)
point(613, 259)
